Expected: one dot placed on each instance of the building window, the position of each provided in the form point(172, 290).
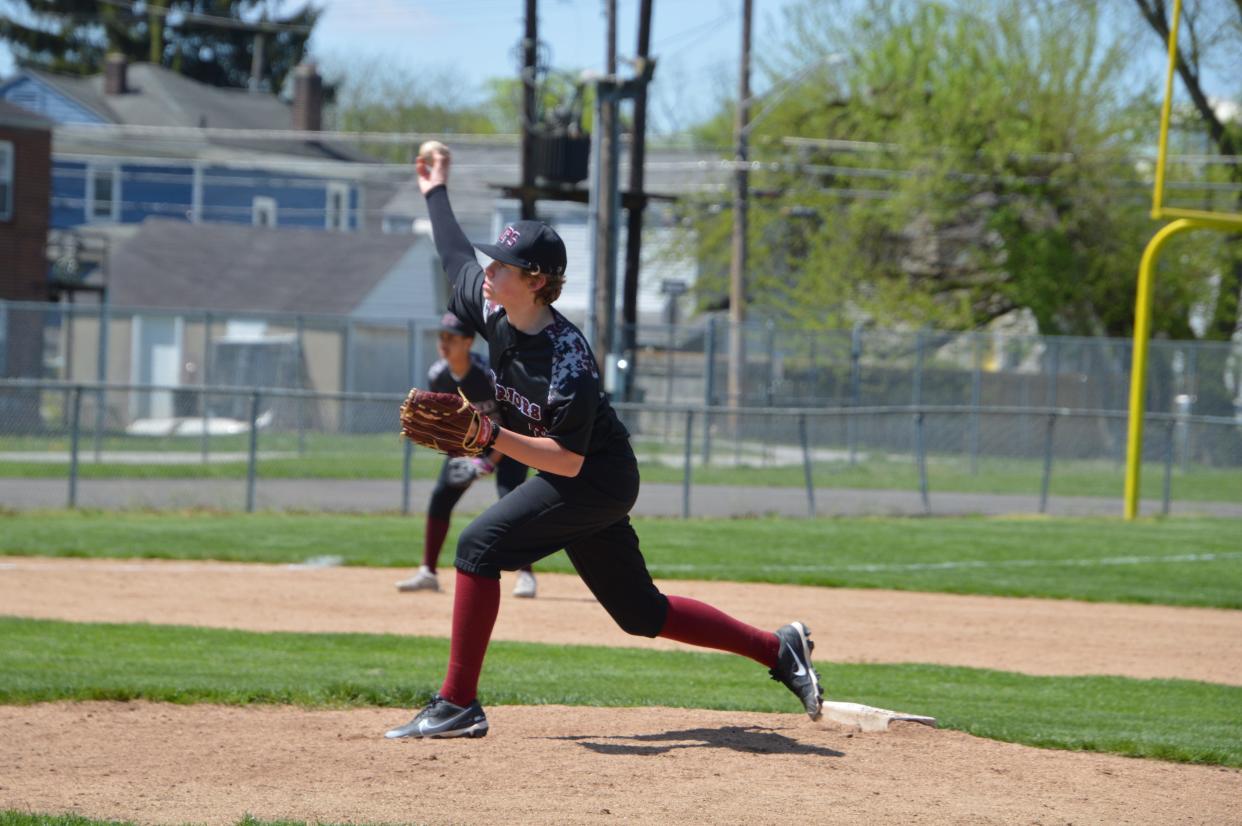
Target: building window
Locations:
point(263, 211)
point(6, 180)
point(337, 211)
point(103, 194)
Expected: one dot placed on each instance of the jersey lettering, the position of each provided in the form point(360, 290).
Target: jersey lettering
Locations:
point(524, 405)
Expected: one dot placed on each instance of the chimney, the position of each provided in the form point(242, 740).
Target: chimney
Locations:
point(115, 66)
point(307, 98)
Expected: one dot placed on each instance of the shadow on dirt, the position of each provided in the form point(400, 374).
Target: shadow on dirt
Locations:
point(748, 739)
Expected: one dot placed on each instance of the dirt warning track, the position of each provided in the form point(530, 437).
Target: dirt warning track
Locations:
point(1032, 636)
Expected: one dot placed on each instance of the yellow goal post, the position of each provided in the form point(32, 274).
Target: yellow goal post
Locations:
point(1181, 220)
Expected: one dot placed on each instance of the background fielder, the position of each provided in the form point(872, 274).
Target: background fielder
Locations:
point(460, 368)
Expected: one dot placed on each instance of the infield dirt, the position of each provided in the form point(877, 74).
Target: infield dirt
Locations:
point(155, 763)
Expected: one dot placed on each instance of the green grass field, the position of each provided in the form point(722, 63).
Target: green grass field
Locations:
point(47, 661)
point(1181, 561)
point(379, 456)
point(1173, 561)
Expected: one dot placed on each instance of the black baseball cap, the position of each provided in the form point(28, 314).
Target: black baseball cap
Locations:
point(530, 245)
point(450, 323)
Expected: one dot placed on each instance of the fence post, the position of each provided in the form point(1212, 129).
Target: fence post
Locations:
point(922, 462)
point(75, 422)
point(771, 362)
point(1168, 468)
point(405, 477)
point(668, 385)
point(253, 457)
point(347, 375)
point(976, 397)
point(917, 390)
point(806, 467)
point(1054, 344)
point(70, 346)
point(709, 393)
point(300, 401)
point(851, 426)
point(685, 468)
point(203, 399)
point(101, 375)
point(1192, 388)
point(1047, 479)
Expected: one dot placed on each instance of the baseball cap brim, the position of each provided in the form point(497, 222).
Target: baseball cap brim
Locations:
point(504, 256)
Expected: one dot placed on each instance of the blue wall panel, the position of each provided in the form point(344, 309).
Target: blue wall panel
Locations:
point(167, 191)
point(68, 194)
point(161, 191)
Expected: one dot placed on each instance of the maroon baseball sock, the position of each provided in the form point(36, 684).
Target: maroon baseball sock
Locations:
point(476, 602)
point(698, 623)
point(433, 541)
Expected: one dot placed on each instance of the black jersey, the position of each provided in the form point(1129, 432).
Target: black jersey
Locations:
point(476, 385)
point(547, 384)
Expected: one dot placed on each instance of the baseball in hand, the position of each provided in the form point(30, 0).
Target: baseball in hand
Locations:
point(430, 148)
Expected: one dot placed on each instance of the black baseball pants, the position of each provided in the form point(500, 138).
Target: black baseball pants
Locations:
point(587, 516)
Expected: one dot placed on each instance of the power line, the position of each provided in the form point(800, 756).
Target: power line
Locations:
point(196, 133)
point(192, 133)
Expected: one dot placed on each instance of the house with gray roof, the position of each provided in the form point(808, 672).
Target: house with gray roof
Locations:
point(229, 305)
point(128, 148)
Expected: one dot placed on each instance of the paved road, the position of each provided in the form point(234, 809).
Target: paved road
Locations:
point(655, 499)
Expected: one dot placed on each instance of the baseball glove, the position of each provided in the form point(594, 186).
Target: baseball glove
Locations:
point(446, 422)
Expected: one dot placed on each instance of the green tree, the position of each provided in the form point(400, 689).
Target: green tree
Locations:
point(1210, 41)
point(559, 99)
point(984, 164)
point(211, 41)
point(374, 96)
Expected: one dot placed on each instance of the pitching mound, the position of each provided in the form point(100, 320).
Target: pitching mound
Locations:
point(155, 763)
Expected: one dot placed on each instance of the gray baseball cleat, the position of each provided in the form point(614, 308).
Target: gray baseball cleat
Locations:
point(424, 580)
point(793, 667)
point(526, 586)
point(440, 718)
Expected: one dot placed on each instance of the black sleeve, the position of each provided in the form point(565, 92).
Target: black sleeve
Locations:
point(572, 415)
point(457, 255)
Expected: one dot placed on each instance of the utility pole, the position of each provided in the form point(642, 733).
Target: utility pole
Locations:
point(606, 222)
point(530, 42)
point(256, 63)
point(256, 55)
point(634, 224)
point(737, 268)
point(155, 22)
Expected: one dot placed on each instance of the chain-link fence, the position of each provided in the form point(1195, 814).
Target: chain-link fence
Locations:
point(683, 364)
point(246, 448)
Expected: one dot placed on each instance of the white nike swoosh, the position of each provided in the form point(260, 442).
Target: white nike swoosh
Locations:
point(801, 670)
point(422, 726)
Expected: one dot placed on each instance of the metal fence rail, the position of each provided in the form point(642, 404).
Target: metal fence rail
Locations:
point(684, 364)
point(237, 440)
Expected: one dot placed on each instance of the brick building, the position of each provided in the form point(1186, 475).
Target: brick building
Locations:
point(25, 187)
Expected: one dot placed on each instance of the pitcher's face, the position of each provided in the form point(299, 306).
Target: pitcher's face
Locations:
point(508, 286)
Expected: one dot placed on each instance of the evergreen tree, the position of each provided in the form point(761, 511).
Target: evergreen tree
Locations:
point(211, 41)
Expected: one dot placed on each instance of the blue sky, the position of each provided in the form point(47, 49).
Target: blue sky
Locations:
point(695, 41)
